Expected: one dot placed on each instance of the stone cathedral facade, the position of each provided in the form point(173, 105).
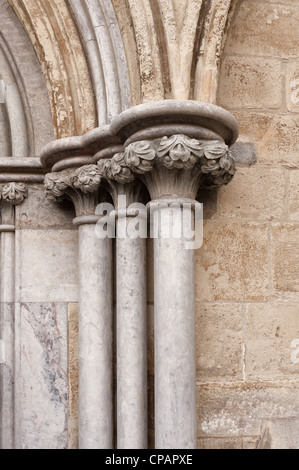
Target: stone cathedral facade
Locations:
point(124, 342)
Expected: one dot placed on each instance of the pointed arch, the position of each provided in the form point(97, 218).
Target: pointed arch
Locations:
point(214, 22)
point(55, 39)
point(102, 41)
point(175, 45)
point(26, 118)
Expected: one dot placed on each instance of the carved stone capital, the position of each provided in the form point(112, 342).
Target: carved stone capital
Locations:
point(14, 193)
point(56, 185)
point(116, 169)
point(80, 186)
point(173, 146)
point(179, 151)
point(87, 179)
point(206, 163)
point(217, 165)
point(140, 156)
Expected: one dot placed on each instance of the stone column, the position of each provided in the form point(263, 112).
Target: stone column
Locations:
point(12, 194)
point(131, 318)
point(131, 342)
point(173, 169)
point(174, 147)
point(175, 362)
point(95, 340)
point(95, 306)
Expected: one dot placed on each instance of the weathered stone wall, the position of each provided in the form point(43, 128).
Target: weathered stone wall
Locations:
point(46, 288)
point(247, 270)
point(247, 274)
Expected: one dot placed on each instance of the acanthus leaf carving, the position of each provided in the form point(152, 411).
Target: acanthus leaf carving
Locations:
point(87, 178)
point(140, 156)
point(179, 151)
point(56, 185)
point(218, 164)
point(212, 158)
point(80, 186)
point(15, 193)
point(116, 169)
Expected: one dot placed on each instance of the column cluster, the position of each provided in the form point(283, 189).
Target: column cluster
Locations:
point(11, 194)
point(172, 148)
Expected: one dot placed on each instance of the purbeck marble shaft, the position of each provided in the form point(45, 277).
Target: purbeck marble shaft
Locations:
point(175, 364)
point(95, 340)
point(131, 344)
point(7, 270)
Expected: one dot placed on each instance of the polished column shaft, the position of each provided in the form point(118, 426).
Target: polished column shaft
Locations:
point(131, 342)
point(7, 270)
point(175, 364)
point(7, 320)
point(95, 340)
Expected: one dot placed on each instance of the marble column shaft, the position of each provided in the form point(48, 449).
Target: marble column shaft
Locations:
point(175, 371)
point(81, 185)
point(173, 167)
point(174, 147)
point(7, 277)
point(95, 340)
point(12, 194)
point(131, 342)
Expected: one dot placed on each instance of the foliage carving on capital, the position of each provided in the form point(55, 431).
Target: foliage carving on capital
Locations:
point(87, 178)
point(140, 156)
point(218, 164)
point(179, 151)
point(15, 193)
point(207, 161)
point(79, 185)
point(56, 185)
point(211, 158)
point(116, 169)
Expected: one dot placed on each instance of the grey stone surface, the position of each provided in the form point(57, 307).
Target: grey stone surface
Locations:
point(175, 369)
point(37, 213)
point(244, 153)
point(7, 296)
point(17, 121)
point(7, 376)
point(237, 408)
point(5, 141)
point(15, 113)
point(47, 268)
point(95, 340)
point(41, 376)
point(279, 434)
point(170, 117)
point(131, 343)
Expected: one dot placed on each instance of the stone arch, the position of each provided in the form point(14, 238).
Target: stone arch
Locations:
point(176, 45)
point(102, 41)
point(79, 47)
point(98, 58)
point(55, 39)
point(23, 94)
point(14, 129)
point(215, 20)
